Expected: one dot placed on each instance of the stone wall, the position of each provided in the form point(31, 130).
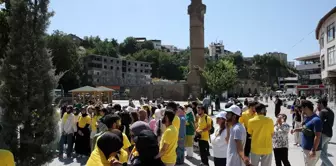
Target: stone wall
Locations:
point(177, 92)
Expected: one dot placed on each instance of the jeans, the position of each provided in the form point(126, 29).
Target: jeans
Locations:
point(324, 151)
point(204, 151)
point(69, 139)
point(310, 161)
point(220, 161)
point(281, 156)
point(264, 160)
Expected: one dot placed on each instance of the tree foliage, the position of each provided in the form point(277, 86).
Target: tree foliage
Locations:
point(164, 65)
point(27, 83)
point(106, 47)
point(66, 59)
point(4, 27)
point(220, 76)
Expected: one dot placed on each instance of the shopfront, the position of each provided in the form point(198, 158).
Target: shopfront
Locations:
point(310, 90)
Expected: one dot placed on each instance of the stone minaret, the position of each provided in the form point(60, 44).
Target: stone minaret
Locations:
point(196, 11)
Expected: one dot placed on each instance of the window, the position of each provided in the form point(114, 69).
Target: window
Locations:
point(135, 70)
point(117, 68)
point(331, 32)
point(322, 62)
point(104, 60)
point(129, 63)
point(111, 67)
point(105, 66)
point(118, 62)
point(98, 73)
point(111, 61)
point(322, 41)
point(129, 69)
point(331, 56)
point(140, 71)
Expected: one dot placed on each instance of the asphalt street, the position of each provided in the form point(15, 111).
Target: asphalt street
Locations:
point(295, 153)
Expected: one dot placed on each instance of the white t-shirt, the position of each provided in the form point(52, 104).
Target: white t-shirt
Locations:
point(219, 145)
point(237, 132)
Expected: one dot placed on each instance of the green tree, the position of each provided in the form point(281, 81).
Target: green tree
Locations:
point(4, 27)
point(220, 76)
point(65, 57)
point(129, 46)
point(27, 84)
point(147, 45)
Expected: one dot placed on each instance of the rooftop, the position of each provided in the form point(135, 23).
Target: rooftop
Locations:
point(308, 57)
point(322, 20)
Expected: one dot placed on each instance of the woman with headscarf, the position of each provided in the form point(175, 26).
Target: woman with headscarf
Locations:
point(157, 117)
point(190, 130)
point(182, 133)
point(136, 128)
point(148, 148)
point(107, 149)
point(82, 144)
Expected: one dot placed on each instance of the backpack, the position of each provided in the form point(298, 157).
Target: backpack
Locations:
point(212, 129)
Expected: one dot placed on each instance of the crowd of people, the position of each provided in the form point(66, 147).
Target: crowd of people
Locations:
point(165, 133)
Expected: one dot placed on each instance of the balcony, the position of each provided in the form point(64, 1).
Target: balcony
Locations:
point(308, 66)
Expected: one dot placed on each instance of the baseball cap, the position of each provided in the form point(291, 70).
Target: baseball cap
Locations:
point(234, 109)
point(221, 114)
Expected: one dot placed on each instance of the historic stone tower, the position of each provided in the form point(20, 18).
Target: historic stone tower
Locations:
point(196, 11)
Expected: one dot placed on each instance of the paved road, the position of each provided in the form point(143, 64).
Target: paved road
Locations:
point(295, 153)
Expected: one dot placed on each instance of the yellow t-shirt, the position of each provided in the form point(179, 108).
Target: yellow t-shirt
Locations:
point(261, 129)
point(94, 121)
point(246, 116)
point(203, 124)
point(97, 158)
point(126, 142)
point(6, 158)
point(170, 137)
point(176, 122)
point(97, 155)
point(65, 117)
point(82, 121)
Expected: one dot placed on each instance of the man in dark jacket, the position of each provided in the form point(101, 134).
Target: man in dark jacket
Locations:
point(327, 119)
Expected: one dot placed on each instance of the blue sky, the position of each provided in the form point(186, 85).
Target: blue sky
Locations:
point(251, 26)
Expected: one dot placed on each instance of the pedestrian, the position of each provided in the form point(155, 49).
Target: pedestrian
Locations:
point(68, 128)
point(106, 151)
point(148, 148)
point(235, 151)
point(327, 117)
point(181, 137)
point(280, 141)
point(168, 143)
point(278, 104)
point(218, 140)
point(297, 124)
point(261, 129)
point(311, 134)
point(82, 143)
point(204, 125)
point(190, 131)
point(244, 119)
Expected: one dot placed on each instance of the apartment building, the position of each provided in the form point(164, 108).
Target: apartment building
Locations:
point(325, 34)
point(291, 64)
point(217, 49)
point(309, 75)
point(110, 71)
point(288, 84)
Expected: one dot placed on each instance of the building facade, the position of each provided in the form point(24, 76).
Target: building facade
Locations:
point(217, 49)
point(309, 75)
point(288, 84)
point(291, 64)
point(110, 71)
point(157, 44)
point(325, 34)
